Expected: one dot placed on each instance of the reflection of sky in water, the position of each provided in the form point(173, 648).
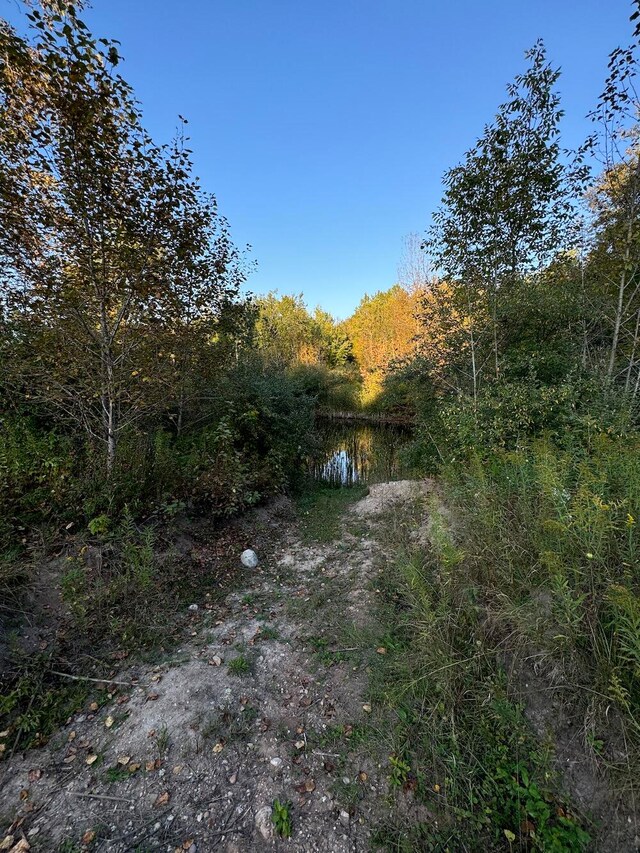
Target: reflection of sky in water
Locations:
point(358, 454)
point(340, 469)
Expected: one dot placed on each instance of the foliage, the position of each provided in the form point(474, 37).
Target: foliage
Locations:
point(382, 329)
point(281, 818)
point(460, 740)
point(117, 268)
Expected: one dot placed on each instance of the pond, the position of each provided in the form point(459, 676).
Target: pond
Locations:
point(354, 452)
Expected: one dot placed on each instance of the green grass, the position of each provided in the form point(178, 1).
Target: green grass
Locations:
point(451, 729)
point(240, 665)
point(117, 774)
point(229, 725)
point(321, 509)
point(38, 703)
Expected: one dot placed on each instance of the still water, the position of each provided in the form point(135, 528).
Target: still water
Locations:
point(352, 452)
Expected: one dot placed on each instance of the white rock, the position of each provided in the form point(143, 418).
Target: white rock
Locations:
point(193, 608)
point(344, 818)
point(276, 762)
point(249, 559)
point(263, 822)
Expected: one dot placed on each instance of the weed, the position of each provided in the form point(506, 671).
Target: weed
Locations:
point(163, 741)
point(455, 736)
point(38, 703)
point(347, 794)
point(281, 818)
point(269, 633)
point(324, 654)
point(239, 665)
point(68, 846)
point(399, 771)
point(117, 774)
point(228, 725)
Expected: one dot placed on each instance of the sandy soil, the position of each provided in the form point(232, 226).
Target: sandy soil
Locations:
point(191, 753)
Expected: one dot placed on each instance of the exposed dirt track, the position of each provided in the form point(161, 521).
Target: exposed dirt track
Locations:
point(266, 701)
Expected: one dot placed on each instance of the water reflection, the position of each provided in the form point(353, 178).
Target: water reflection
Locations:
point(350, 452)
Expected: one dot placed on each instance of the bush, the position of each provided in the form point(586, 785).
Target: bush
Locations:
point(553, 534)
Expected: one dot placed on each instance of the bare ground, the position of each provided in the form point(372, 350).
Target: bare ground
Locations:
point(263, 702)
point(266, 699)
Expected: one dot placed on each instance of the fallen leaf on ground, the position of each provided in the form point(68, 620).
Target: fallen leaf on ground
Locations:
point(109, 721)
point(218, 747)
point(367, 708)
point(91, 758)
point(89, 836)
point(35, 774)
point(381, 650)
point(24, 794)
point(7, 842)
point(162, 799)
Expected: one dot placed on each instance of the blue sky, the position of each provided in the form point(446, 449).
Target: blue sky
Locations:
point(324, 128)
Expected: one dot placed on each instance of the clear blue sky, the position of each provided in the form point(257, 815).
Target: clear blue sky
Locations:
point(324, 127)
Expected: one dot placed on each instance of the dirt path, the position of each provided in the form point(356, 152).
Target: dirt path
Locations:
point(268, 701)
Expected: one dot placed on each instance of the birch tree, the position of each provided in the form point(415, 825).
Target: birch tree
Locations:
point(106, 239)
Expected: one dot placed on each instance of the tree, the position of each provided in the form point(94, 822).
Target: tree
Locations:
point(507, 208)
point(615, 201)
point(383, 330)
point(108, 246)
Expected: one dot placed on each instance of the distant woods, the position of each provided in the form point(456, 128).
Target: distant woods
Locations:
point(350, 357)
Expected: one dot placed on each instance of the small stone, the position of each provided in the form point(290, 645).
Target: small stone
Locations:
point(249, 559)
point(344, 818)
point(263, 822)
point(276, 762)
point(193, 608)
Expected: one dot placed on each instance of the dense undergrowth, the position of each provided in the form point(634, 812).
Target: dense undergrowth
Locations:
point(519, 623)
